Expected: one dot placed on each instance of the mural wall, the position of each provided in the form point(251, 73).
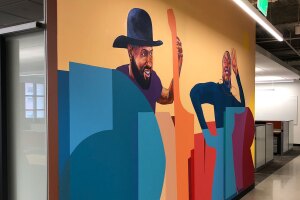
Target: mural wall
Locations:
point(156, 100)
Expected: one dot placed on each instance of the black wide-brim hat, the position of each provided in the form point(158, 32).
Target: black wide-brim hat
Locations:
point(139, 30)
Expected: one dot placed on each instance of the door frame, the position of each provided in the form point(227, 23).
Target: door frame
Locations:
point(50, 20)
point(3, 135)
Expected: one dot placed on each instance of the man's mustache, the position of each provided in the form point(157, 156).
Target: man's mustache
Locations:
point(146, 67)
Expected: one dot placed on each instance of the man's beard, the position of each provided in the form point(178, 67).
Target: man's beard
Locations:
point(139, 75)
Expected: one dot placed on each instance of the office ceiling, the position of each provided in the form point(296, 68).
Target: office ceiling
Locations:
point(268, 68)
point(14, 12)
point(284, 15)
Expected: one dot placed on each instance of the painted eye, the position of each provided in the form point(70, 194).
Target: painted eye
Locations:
point(144, 54)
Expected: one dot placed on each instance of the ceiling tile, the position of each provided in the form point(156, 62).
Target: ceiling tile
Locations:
point(9, 20)
point(38, 1)
point(4, 2)
point(26, 9)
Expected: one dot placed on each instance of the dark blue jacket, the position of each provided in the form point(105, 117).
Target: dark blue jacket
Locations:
point(219, 96)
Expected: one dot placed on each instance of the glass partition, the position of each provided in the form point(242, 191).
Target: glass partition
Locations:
point(26, 116)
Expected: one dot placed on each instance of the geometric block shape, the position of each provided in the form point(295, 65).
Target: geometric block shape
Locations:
point(104, 165)
point(151, 157)
point(167, 131)
point(230, 179)
point(204, 160)
point(238, 146)
point(184, 121)
point(219, 172)
point(63, 130)
point(248, 167)
point(90, 102)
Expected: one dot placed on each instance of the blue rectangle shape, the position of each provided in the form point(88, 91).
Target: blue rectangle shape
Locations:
point(91, 109)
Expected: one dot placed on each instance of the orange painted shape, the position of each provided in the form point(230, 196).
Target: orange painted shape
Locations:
point(184, 122)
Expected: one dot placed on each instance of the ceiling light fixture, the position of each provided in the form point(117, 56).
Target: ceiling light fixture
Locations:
point(259, 18)
point(269, 78)
point(258, 69)
point(275, 81)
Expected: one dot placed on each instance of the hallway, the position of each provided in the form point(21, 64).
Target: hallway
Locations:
point(282, 184)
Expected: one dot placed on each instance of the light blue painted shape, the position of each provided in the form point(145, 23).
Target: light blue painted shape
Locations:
point(151, 158)
point(230, 184)
point(217, 142)
point(90, 102)
point(224, 185)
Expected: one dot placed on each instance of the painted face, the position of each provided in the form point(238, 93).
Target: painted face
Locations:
point(226, 66)
point(141, 65)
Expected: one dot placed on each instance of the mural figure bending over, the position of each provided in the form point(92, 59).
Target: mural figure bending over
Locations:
point(139, 43)
point(219, 95)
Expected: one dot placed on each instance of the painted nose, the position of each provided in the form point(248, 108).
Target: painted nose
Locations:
point(149, 61)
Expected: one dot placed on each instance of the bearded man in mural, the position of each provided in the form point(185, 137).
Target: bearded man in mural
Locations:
point(139, 43)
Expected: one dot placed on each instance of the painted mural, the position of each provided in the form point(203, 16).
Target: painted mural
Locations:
point(115, 145)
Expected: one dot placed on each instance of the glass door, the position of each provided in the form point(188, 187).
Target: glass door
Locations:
point(26, 116)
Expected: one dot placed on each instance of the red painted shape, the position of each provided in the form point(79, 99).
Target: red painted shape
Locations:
point(202, 167)
point(191, 177)
point(203, 157)
point(248, 168)
point(238, 146)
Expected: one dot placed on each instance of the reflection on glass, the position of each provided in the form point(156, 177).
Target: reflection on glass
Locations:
point(40, 114)
point(40, 103)
point(28, 103)
point(29, 114)
point(28, 88)
point(40, 89)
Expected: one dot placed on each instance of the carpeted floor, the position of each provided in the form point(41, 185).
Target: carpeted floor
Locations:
point(277, 163)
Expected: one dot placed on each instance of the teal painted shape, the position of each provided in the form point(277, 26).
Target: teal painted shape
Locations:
point(230, 180)
point(151, 158)
point(90, 102)
point(63, 133)
point(102, 167)
point(105, 165)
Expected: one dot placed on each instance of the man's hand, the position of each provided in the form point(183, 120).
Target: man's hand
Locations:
point(234, 62)
point(167, 95)
point(180, 53)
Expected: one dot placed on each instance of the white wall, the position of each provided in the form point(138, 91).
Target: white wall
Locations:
point(281, 92)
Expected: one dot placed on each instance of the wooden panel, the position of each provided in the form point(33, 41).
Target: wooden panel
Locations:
point(51, 40)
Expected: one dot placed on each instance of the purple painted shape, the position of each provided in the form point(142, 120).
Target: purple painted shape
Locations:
point(153, 93)
point(238, 146)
